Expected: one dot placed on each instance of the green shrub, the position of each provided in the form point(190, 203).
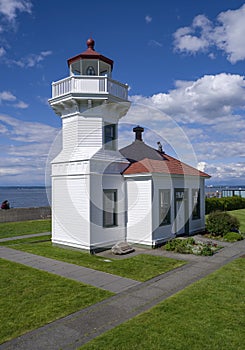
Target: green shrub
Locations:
point(206, 251)
point(224, 204)
point(233, 237)
point(172, 244)
point(219, 223)
point(189, 246)
point(178, 245)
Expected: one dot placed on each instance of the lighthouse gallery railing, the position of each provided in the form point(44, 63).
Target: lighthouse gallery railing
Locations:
point(89, 84)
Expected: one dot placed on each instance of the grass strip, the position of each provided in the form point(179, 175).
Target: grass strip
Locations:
point(208, 315)
point(30, 298)
point(240, 214)
point(13, 229)
point(140, 267)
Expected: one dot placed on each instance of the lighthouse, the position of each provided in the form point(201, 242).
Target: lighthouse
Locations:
point(88, 202)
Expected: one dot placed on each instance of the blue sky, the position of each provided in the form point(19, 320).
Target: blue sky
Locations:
point(183, 61)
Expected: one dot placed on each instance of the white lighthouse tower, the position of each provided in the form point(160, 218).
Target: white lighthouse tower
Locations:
point(88, 205)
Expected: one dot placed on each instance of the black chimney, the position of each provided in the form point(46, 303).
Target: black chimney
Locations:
point(138, 132)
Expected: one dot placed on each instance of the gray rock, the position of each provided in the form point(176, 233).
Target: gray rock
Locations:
point(122, 248)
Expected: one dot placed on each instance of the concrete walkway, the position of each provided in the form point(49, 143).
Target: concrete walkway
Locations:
point(76, 329)
point(86, 275)
point(24, 236)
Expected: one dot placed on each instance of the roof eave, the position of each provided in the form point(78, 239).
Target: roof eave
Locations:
point(91, 57)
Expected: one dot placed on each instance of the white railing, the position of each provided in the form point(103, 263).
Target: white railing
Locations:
point(89, 84)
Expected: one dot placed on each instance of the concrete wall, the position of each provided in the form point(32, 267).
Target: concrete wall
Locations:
point(22, 214)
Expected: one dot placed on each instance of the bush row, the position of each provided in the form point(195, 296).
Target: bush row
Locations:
point(224, 204)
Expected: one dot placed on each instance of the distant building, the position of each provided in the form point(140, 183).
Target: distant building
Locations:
point(230, 192)
point(102, 195)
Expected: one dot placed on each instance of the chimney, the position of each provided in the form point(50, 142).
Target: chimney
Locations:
point(138, 133)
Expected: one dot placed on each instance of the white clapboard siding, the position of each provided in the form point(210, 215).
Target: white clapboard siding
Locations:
point(82, 132)
point(69, 132)
point(71, 211)
point(139, 227)
point(90, 132)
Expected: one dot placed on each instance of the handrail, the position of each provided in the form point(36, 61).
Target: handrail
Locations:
point(89, 84)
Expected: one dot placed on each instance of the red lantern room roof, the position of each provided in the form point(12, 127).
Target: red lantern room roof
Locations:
point(90, 53)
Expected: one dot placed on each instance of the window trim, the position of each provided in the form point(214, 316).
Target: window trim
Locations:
point(114, 213)
point(167, 218)
point(110, 142)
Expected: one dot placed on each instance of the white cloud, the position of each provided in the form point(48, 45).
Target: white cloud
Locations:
point(229, 36)
point(2, 50)
point(208, 100)
point(185, 39)
point(31, 60)
point(21, 105)
point(148, 19)
point(22, 131)
point(220, 150)
point(203, 35)
point(24, 150)
point(201, 166)
point(10, 8)
point(7, 96)
point(227, 173)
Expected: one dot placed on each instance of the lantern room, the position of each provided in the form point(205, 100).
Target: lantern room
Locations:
point(90, 62)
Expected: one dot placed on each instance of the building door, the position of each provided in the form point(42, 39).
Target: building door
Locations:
point(181, 212)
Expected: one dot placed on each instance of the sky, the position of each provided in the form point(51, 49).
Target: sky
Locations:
point(183, 61)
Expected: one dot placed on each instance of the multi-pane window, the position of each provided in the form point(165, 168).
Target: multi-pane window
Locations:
point(90, 71)
point(164, 207)
point(196, 204)
point(109, 208)
point(110, 136)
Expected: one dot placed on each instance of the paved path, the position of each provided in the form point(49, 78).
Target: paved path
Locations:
point(24, 236)
point(76, 329)
point(86, 275)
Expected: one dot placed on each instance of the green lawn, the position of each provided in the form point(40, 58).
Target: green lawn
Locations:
point(141, 267)
point(208, 315)
point(240, 214)
point(30, 298)
point(12, 229)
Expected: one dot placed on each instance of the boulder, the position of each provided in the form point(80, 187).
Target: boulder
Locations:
point(122, 248)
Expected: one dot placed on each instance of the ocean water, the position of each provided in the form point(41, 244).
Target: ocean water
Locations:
point(26, 197)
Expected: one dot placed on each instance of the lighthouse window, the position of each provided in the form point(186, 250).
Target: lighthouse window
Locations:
point(109, 208)
point(90, 71)
point(110, 136)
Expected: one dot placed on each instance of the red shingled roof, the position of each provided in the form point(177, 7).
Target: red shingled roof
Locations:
point(168, 165)
point(90, 53)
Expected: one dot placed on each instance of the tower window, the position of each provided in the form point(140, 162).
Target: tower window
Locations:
point(90, 71)
point(110, 136)
point(109, 208)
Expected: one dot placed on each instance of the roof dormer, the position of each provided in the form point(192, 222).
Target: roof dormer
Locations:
point(90, 62)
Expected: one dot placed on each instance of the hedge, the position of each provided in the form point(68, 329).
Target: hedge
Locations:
point(224, 204)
